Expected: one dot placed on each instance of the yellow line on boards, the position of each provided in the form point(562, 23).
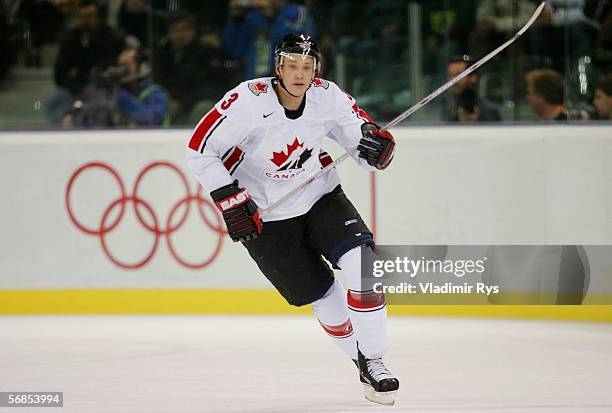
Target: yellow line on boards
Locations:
point(144, 302)
point(253, 302)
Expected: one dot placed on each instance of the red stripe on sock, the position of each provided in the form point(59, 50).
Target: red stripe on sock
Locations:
point(343, 330)
point(365, 300)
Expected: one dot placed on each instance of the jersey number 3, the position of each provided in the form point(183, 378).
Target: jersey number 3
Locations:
point(228, 102)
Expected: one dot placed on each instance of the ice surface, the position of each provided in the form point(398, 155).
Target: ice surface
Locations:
point(287, 364)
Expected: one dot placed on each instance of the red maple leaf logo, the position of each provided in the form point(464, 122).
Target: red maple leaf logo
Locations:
point(258, 88)
point(279, 158)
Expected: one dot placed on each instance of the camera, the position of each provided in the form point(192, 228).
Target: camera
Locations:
point(111, 76)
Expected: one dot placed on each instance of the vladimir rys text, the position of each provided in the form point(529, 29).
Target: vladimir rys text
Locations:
point(431, 288)
point(407, 267)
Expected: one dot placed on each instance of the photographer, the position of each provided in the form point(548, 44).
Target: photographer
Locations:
point(121, 95)
point(140, 101)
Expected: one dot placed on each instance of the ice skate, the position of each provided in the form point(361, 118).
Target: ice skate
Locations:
point(379, 385)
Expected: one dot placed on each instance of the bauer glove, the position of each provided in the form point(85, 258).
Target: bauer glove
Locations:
point(239, 212)
point(377, 146)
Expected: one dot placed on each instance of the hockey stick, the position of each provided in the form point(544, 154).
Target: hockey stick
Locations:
point(414, 108)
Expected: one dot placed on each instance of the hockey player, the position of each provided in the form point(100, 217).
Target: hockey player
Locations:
point(262, 140)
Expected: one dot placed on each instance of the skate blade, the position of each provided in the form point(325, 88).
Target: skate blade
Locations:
point(387, 398)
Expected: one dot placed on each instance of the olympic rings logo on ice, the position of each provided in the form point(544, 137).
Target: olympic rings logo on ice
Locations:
point(142, 208)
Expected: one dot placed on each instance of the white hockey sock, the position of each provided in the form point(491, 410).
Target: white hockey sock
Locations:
point(332, 312)
point(368, 311)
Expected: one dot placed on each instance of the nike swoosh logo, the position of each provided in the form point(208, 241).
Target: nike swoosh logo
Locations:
point(265, 116)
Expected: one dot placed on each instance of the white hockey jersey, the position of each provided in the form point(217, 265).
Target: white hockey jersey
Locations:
point(248, 137)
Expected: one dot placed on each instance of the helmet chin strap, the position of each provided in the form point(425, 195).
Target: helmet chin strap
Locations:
point(287, 90)
point(280, 80)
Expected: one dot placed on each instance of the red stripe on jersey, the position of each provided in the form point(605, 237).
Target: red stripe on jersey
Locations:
point(202, 130)
point(361, 114)
point(341, 331)
point(233, 158)
point(366, 300)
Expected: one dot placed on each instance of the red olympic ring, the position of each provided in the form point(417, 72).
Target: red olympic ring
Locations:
point(139, 204)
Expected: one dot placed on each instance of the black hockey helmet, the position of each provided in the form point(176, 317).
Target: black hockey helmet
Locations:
point(300, 44)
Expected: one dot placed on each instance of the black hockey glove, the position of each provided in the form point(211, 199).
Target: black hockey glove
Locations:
point(377, 146)
point(239, 212)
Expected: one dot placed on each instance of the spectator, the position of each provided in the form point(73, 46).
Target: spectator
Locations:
point(132, 19)
point(191, 72)
point(496, 22)
point(255, 26)
point(545, 94)
point(487, 110)
point(603, 98)
point(91, 44)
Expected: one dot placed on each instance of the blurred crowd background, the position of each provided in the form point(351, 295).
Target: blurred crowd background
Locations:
point(164, 63)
